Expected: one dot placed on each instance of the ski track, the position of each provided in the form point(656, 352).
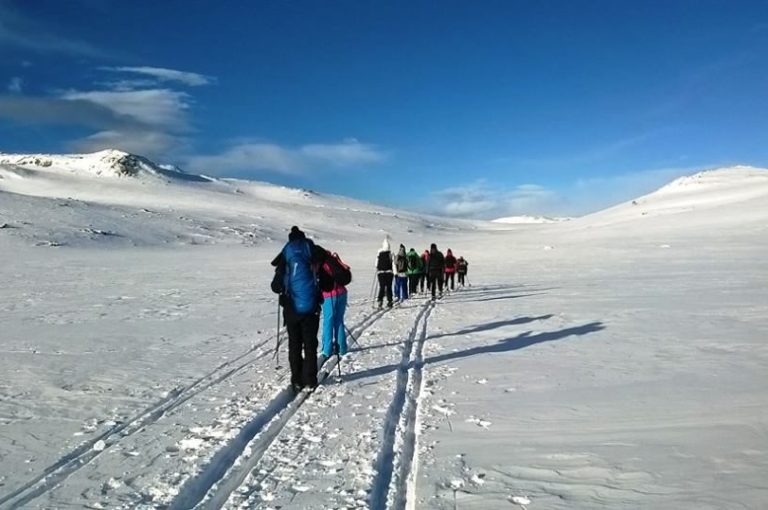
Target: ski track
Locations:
point(393, 464)
point(58, 472)
point(230, 466)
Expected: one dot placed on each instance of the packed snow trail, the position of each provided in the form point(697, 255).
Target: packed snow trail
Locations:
point(229, 467)
point(394, 464)
point(335, 439)
point(56, 474)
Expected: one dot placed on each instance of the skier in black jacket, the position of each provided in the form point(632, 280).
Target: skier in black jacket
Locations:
point(435, 269)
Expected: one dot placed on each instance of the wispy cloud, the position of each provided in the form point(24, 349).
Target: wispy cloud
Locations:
point(271, 157)
point(165, 75)
point(163, 108)
point(23, 32)
point(55, 110)
point(133, 115)
point(150, 143)
point(486, 200)
point(481, 199)
point(149, 122)
point(15, 84)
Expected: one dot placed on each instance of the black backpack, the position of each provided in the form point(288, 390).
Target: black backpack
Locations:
point(339, 270)
point(384, 263)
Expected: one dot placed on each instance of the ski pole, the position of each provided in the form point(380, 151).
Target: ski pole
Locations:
point(349, 334)
point(373, 286)
point(277, 344)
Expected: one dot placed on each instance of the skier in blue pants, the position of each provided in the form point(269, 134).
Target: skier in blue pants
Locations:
point(401, 275)
point(334, 331)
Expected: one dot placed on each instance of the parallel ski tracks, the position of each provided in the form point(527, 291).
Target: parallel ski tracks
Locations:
point(395, 465)
point(229, 467)
point(58, 472)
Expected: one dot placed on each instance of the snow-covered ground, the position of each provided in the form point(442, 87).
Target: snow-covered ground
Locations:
point(617, 360)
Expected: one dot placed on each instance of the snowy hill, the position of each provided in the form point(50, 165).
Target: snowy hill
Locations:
point(581, 366)
point(520, 220)
point(143, 203)
point(721, 197)
point(106, 163)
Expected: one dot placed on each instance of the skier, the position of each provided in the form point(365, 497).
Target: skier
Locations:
point(384, 272)
point(461, 269)
point(415, 270)
point(401, 277)
point(435, 270)
point(423, 277)
point(334, 306)
point(299, 287)
point(450, 268)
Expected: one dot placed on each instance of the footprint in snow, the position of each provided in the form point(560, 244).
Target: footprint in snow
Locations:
point(479, 422)
point(520, 500)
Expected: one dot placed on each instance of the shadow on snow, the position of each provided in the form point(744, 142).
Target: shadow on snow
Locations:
point(492, 325)
point(520, 341)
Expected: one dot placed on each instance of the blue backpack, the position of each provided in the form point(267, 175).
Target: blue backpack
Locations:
point(300, 276)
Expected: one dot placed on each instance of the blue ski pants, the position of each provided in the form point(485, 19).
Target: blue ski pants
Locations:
point(333, 324)
point(401, 288)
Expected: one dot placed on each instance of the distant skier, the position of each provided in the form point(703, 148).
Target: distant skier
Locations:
point(435, 270)
point(299, 287)
point(461, 269)
point(384, 272)
point(334, 306)
point(415, 271)
point(401, 275)
point(450, 268)
point(424, 265)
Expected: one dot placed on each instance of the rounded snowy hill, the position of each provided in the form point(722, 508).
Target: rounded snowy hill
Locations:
point(106, 163)
point(145, 203)
point(722, 197)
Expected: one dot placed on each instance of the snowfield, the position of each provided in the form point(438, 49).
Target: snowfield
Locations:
point(617, 360)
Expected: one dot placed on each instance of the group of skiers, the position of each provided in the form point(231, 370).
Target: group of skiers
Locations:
point(309, 279)
point(410, 271)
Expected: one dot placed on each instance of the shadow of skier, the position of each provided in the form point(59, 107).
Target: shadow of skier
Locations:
point(520, 341)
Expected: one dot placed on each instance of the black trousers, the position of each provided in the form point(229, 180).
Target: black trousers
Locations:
point(461, 278)
point(422, 279)
point(385, 287)
point(434, 282)
point(302, 336)
point(449, 276)
point(413, 283)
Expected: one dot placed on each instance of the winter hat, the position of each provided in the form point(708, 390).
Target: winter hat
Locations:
point(433, 246)
point(450, 252)
point(385, 244)
point(402, 248)
point(295, 234)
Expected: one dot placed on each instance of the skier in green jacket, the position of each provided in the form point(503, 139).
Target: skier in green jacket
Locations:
point(415, 269)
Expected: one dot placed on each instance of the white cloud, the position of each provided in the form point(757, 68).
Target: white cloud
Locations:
point(15, 84)
point(270, 157)
point(348, 153)
point(154, 107)
point(483, 200)
point(152, 144)
point(163, 74)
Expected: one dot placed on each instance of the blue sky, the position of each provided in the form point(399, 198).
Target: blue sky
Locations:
point(475, 109)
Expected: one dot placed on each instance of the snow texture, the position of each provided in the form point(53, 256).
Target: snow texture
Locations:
point(617, 360)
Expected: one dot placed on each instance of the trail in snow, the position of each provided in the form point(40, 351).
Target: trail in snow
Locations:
point(398, 444)
point(58, 472)
point(230, 466)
